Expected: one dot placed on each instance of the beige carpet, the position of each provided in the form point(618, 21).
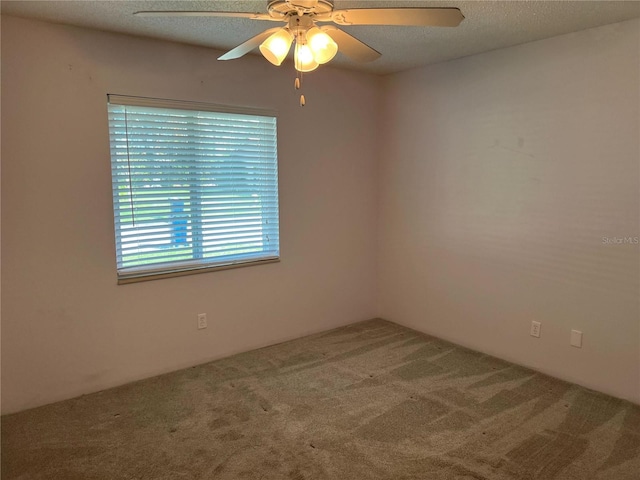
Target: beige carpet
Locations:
point(370, 401)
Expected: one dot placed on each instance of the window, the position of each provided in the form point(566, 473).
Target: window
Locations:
point(195, 187)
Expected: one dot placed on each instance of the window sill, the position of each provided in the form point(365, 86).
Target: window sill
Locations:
point(145, 277)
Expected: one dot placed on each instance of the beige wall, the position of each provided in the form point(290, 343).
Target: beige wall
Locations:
point(68, 329)
point(500, 176)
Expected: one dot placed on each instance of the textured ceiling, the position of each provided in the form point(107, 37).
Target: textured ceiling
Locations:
point(488, 25)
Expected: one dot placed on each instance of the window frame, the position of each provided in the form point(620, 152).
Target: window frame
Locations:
point(153, 272)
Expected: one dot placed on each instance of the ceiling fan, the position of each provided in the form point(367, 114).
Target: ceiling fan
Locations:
point(318, 45)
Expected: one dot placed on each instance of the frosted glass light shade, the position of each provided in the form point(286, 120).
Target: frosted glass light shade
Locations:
point(303, 58)
point(276, 47)
point(322, 45)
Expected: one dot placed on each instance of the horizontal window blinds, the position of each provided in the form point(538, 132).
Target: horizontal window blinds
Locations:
point(193, 186)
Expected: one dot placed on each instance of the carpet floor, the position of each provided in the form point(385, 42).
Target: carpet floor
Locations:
point(373, 400)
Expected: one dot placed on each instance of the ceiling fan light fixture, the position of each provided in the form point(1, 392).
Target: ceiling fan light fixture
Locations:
point(319, 45)
point(322, 45)
point(276, 47)
point(303, 58)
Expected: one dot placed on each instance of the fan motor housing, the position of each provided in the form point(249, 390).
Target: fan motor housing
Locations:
point(287, 7)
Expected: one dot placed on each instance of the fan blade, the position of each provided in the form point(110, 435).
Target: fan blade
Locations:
point(179, 13)
point(249, 45)
point(351, 46)
point(427, 17)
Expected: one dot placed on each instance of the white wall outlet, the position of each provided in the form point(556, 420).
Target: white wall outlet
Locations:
point(202, 321)
point(535, 329)
point(576, 338)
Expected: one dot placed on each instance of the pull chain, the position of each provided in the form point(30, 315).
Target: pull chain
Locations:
point(298, 80)
point(298, 85)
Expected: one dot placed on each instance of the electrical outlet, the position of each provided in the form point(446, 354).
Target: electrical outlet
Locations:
point(202, 321)
point(576, 338)
point(535, 329)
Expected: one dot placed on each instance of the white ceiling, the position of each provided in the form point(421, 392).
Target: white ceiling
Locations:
point(488, 25)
